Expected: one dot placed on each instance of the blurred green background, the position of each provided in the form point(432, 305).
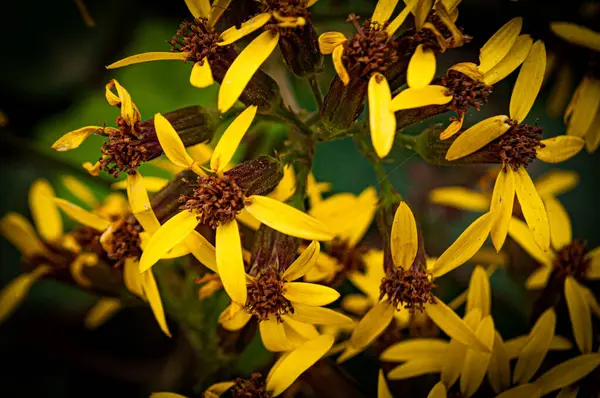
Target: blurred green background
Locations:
point(52, 79)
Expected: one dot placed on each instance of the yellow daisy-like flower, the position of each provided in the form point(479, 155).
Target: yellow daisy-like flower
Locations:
point(408, 274)
point(205, 206)
point(288, 312)
point(582, 115)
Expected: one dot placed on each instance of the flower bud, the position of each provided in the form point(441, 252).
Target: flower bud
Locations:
point(343, 104)
point(272, 249)
point(258, 176)
point(300, 50)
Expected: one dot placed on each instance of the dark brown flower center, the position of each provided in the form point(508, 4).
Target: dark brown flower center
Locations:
point(216, 199)
point(465, 91)
point(409, 289)
point(570, 260)
point(199, 41)
point(518, 146)
point(369, 50)
point(282, 9)
point(265, 297)
point(124, 242)
point(429, 39)
point(89, 239)
point(351, 258)
point(254, 387)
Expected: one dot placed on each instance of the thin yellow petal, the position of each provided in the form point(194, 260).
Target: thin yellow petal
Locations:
point(580, 315)
point(421, 68)
point(80, 190)
point(528, 82)
point(230, 263)
point(499, 366)
point(170, 142)
point(383, 391)
point(438, 391)
point(338, 64)
point(511, 61)
point(217, 9)
point(382, 121)
point(169, 235)
point(413, 349)
point(73, 139)
point(558, 149)
point(536, 347)
point(19, 231)
point(287, 219)
point(128, 111)
point(273, 336)
point(150, 184)
point(234, 317)
point(393, 26)
point(292, 365)
point(233, 34)
point(92, 169)
point(383, 11)
point(104, 308)
point(499, 45)
point(467, 244)
point(556, 182)
point(152, 294)
point(568, 372)
point(479, 294)
point(198, 8)
point(132, 277)
point(416, 367)
point(372, 325)
point(502, 206)
point(404, 237)
point(303, 263)
point(453, 361)
point(328, 41)
point(356, 304)
point(476, 363)
point(82, 216)
point(453, 127)
point(538, 278)
point(140, 203)
point(146, 57)
point(420, 10)
point(560, 224)
point(519, 231)
point(309, 293)
point(13, 294)
point(46, 215)
point(418, 97)
point(243, 68)
point(533, 208)
point(202, 249)
point(319, 316)
point(526, 390)
point(478, 136)
point(222, 387)
point(577, 34)
point(166, 395)
point(201, 75)
point(231, 139)
point(515, 346)
point(461, 198)
point(248, 220)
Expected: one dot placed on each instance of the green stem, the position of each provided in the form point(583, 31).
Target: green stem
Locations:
point(314, 86)
point(407, 141)
point(292, 118)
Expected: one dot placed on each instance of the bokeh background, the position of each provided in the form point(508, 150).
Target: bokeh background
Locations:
point(52, 79)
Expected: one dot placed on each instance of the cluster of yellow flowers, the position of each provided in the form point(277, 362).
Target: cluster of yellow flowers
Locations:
point(304, 245)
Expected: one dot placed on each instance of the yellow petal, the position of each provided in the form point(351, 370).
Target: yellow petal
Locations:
point(568, 372)
point(404, 237)
point(15, 292)
point(538, 278)
point(230, 263)
point(502, 206)
point(248, 220)
point(416, 367)
point(146, 57)
point(150, 184)
point(140, 203)
point(594, 268)
point(202, 249)
point(584, 106)
point(243, 68)
point(151, 293)
point(454, 360)
point(303, 330)
point(383, 11)
point(309, 293)
point(382, 121)
point(371, 325)
point(273, 336)
point(467, 244)
point(577, 34)
point(519, 231)
point(568, 392)
point(413, 349)
point(528, 82)
point(558, 149)
point(234, 34)
point(169, 235)
point(128, 111)
point(217, 10)
point(234, 317)
point(421, 68)
point(355, 304)
point(303, 263)
point(438, 391)
point(92, 169)
point(289, 367)
point(560, 224)
point(73, 139)
point(383, 390)
point(201, 75)
point(421, 10)
point(461, 198)
point(170, 142)
point(579, 313)
point(533, 208)
point(287, 219)
point(511, 61)
point(222, 387)
point(166, 395)
point(556, 182)
point(319, 316)
point(80, 190)
point(515, 346)
point(499, 45)
point(132, 277)
point(45, 214)
point(328, 41)
point(536, 347)
point(526, 390)
point(592, 137)
point(418, 97)
point(231, 139)
point(19, 231)
point(453, 127)
point(393, 26)
point(478, 136)
point(476, 363)
point(77, 268)
point(104, 308)
point(338, 64)
point(82, 216)
point(479, 294)
point(198, 8)
point(499, 366)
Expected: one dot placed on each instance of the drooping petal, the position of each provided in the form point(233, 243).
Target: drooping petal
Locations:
point(328, 41)
point(479, 294)
point(528, 82)
point(233, 34)
point(558, 149)
point(413, 349)
point(104, 308)
point(560, 224)
point(568, 372)
point(418, 97)
point(476, 363)
point(139, 203)
point(383, 11)
point(152, 294)
point(556, 182)
point(202, 249)
point(169, 235)
point(511, 61)
point(287, 219)
point(92, 169)
point(309, 293)
point(46, 215)
point(416, 367)
point(371, 325)
point(146, 57)
point(536, 347)
point(579, 313)
point(499, 366)
point(577, 34)
point(230, 262)
point(201, 75)
point(273, 336)
point(15, 292)
point(538, 278)
point(383, 391)
point(234, 317)
point(80, 190)
point(319, 316)
point(519, 231)
point(503, 199)
point(231, 139)
point(132, 277)
point(478, 136)
point(533, 208)
point(461, 198)
point(73, 139)
point(243, 68)
point(421, 68)
point(404, 237)
point(467, 244)
point(170, 142)
point(382, 121)
point(499, 45)
point(198, 8)
point(82, 216)
point(438, 391)
point(338, 64)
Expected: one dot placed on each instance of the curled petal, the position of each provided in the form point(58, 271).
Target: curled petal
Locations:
point(146, 57)
point(338, 64)
point(328, 41)
point(73, 139)
point(234, 34)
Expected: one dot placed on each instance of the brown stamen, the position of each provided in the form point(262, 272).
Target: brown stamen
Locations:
point(199, 41)
point(518, 146)
point(254, 387)
point(465, 91)
point(409, 289)
point(265, 297)
point(286, 9)
point(124, 241)
point(351, 258)
point(570, 260)
point(216, 199)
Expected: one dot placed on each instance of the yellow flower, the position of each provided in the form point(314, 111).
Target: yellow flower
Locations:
point(582, 115)
point(205, 206)
point(570, 260)
point(410, 273)
point(286, 310)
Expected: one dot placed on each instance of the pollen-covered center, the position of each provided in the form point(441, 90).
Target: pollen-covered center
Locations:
point(409, 289)
point(369, 50)
point(466, 92)
point(124, 241)
point(254, 387)
point(518, 146)
point(351, 258)
point(285, 14)
point(265, 297)
point(198, 40)
point(216, 199)
point(127, 147)
point(570, 260)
